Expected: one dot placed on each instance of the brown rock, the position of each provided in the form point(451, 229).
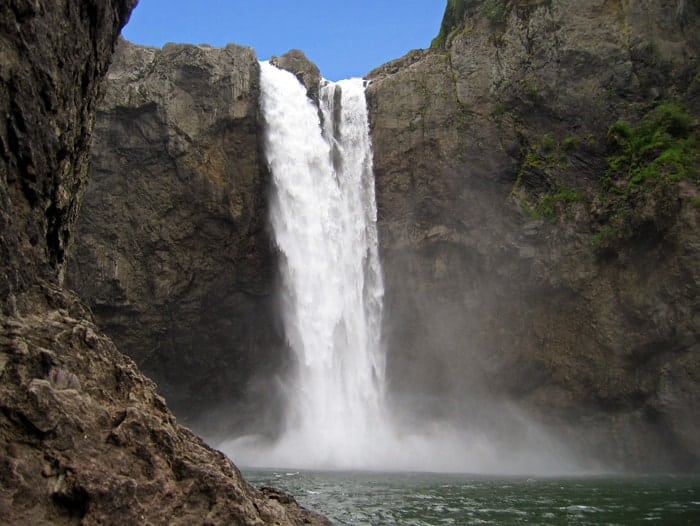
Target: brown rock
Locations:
point(307, 72)
point(84, 438)
point(172, 251)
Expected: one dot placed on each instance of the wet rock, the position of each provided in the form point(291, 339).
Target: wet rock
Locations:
point(307, 72)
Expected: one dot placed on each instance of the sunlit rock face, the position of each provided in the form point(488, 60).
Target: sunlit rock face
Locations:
point(498, 286)
point(172, 251)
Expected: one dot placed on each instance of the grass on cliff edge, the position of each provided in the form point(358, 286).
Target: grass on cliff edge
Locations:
point(451, 20)
point(495, 11)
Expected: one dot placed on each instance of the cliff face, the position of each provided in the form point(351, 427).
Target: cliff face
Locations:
point(84, 438)
point(50, 82)
point(528, 254)
point(537, 193)
point(172, 253)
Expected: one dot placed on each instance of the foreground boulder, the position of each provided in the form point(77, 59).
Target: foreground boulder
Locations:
point(86, 439)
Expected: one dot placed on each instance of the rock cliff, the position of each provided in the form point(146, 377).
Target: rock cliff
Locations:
point(531, 254)
point(172, 253)
point(84, 438)
point(538, 205)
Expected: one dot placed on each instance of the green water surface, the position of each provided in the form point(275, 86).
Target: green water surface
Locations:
point(437, 499)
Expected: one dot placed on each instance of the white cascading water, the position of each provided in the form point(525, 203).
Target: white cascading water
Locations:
point(323, 214)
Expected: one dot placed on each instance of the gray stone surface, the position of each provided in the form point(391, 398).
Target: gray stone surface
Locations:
point(483, 303)
point(172, 251)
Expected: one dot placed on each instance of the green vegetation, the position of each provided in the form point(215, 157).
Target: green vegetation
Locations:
point(568, 143)
point(547, 205)
point(543, 161)
point(451, 21)
point(602, 235)
point(548, 143)
point(648, 162)
point(639, 193)
point(495, 11)
point(664, 145)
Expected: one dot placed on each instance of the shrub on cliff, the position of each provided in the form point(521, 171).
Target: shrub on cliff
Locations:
point(663, 145)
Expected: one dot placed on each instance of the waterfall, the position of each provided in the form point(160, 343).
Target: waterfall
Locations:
point(323, 215)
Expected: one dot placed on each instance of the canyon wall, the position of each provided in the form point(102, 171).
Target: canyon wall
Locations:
point(173, 255)
point(84, 438)
point(521, 264)
point(537, 191)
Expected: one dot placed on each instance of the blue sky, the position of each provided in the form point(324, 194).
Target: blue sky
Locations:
point(345, 38)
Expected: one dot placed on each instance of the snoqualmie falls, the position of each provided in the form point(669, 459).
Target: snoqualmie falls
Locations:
point(323, 215)
point(501, 288)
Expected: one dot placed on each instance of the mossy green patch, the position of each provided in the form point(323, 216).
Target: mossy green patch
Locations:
point(649, 160)
point(453, 21)
point(547, 205)
point(663, 145)
point(546, 159)
point(495, 11)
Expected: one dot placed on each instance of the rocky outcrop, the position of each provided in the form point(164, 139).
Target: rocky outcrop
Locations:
point(516, 253)
point(172, 252)
point(306, 72)
point(50, 83)
point(84, 438)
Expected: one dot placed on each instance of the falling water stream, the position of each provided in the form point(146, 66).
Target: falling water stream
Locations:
point(323, 216)
point(339, 430)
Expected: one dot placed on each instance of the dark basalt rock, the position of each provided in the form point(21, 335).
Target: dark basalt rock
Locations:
point(172, 251)
point(50, 81)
